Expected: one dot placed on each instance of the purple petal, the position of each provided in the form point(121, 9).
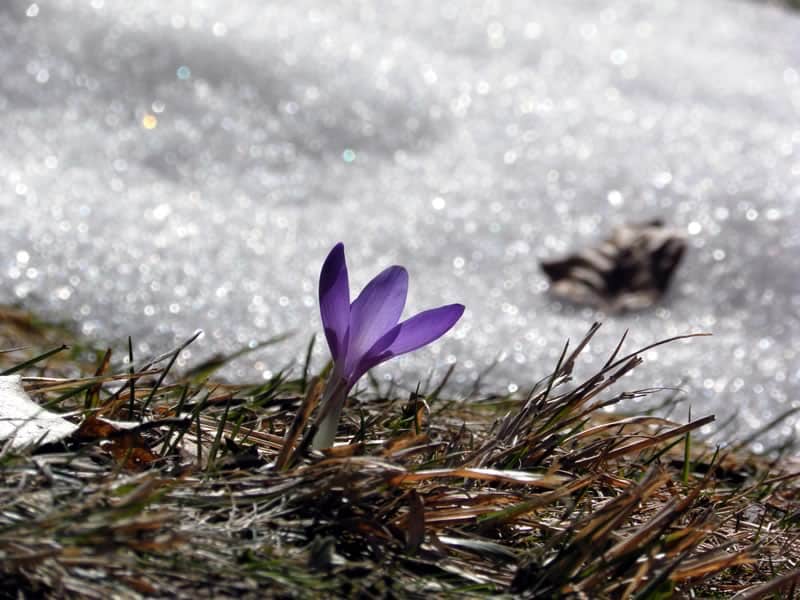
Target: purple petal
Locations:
point(376, 310)
point(334, 300)
point(420, 330)
point(424, 328)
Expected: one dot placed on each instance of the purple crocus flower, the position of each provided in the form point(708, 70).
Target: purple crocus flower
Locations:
point(368, 331)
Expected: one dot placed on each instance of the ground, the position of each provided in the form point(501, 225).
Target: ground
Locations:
point(212, 491)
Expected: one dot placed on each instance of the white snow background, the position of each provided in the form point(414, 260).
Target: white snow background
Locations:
point(173, 165)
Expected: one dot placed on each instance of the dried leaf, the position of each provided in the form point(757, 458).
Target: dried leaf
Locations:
point(630, 270)
point(498, 475)
point(409, 440)
point(480, 547)
point(298, 423)
point(118, 439)
point(26, 423)
point(415, 522)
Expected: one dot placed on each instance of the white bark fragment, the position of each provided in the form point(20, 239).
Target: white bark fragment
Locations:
point(23, 421)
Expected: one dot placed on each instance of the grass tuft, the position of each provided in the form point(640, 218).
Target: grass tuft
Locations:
point(214, 492)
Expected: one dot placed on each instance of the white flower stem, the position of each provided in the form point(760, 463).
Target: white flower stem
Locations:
point(331, 405)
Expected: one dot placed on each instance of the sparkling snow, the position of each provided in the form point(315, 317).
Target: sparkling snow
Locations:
point(173, 165)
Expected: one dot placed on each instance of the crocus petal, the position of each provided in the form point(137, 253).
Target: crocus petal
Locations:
point(334, 300)
point(376, 310)
point(413, 333)
point(424, 328)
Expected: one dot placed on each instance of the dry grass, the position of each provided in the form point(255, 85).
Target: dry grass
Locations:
point(215, 493)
